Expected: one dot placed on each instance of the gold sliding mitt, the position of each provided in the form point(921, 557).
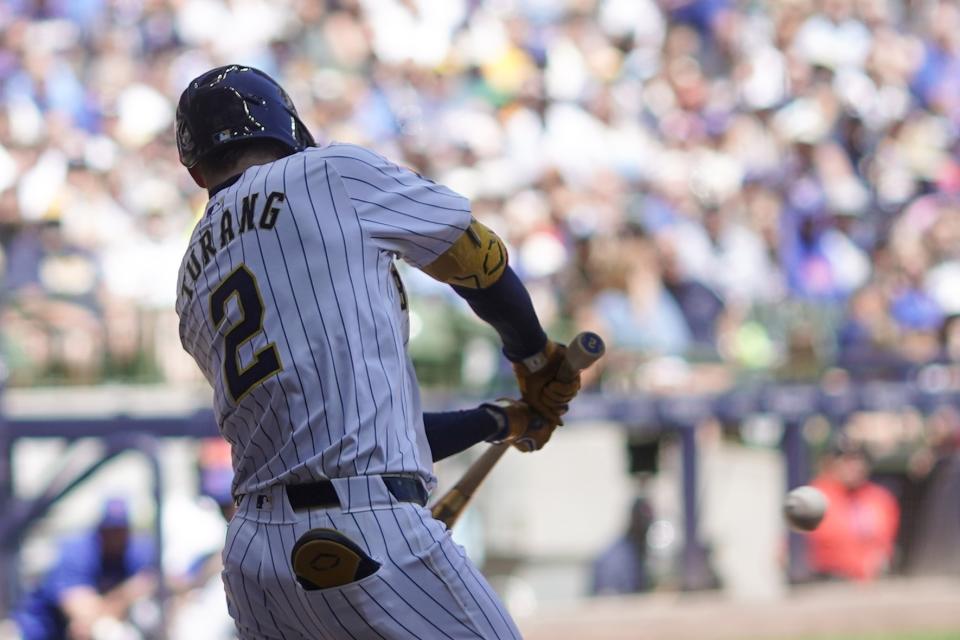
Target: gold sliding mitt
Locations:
point(325, 558)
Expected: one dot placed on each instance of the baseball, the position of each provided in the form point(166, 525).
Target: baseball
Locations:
point(804, 508)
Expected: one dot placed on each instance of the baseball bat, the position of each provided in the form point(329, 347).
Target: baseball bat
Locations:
point(583, 351)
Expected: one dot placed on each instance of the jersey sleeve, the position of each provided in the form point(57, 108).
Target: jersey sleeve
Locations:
point(400, 210)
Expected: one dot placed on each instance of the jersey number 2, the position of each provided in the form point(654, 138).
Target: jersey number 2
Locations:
point(242, 284)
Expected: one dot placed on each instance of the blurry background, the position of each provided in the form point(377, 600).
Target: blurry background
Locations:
point(756, 203)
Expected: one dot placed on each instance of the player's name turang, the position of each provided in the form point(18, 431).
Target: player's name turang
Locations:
point(230, 225)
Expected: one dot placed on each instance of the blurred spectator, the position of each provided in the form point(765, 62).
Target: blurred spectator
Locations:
point(633, 307)
point(97, 577)
point(215, 470)
point(855, 541)
point(700, 306)
point(867, 339)
point(622, 567)
point(833, 38)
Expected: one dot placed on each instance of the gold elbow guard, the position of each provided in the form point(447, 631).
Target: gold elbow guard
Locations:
point(476, 260)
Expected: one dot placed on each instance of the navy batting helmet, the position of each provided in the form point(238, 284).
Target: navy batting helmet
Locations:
point(234, 103)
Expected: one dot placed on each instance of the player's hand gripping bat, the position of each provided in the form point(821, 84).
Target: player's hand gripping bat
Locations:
point(583, 351)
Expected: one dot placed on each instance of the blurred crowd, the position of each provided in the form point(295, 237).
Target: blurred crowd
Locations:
point(756, 184)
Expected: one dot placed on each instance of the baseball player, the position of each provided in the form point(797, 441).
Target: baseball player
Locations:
point(291, 305)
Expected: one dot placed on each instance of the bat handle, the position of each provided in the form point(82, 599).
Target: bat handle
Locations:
point(585, 349)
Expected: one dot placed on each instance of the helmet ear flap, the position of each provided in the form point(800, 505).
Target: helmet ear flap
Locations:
point(197, 176)
point(303, 135)
point(186, 146)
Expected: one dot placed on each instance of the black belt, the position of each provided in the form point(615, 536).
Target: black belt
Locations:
point(322, 495)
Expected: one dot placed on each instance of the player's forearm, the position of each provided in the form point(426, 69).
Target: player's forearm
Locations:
point(506, 306)
point(475, 265)
point(451, 432)
point(118, 600)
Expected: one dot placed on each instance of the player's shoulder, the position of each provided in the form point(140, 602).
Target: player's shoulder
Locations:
point(347, 158)
point(81, 543)
point(78, 551)
point(345, 150)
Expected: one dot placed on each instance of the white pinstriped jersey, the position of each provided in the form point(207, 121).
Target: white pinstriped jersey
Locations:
point(290, 304)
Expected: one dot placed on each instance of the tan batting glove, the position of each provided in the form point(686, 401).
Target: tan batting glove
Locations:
point(519, 425)
point(540, 386)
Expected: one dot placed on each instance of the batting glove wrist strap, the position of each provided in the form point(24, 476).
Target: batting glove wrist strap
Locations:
point(519, 425)
point(498, 411)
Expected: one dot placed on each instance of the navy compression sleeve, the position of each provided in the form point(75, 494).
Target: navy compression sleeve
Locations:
point(451, 432)
point(506, 306)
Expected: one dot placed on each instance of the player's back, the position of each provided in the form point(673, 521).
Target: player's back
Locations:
point(291, 305)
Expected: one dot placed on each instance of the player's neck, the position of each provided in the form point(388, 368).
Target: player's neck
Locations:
point(215, 178)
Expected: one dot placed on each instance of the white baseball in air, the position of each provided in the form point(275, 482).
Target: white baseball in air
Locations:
point(804, 508)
